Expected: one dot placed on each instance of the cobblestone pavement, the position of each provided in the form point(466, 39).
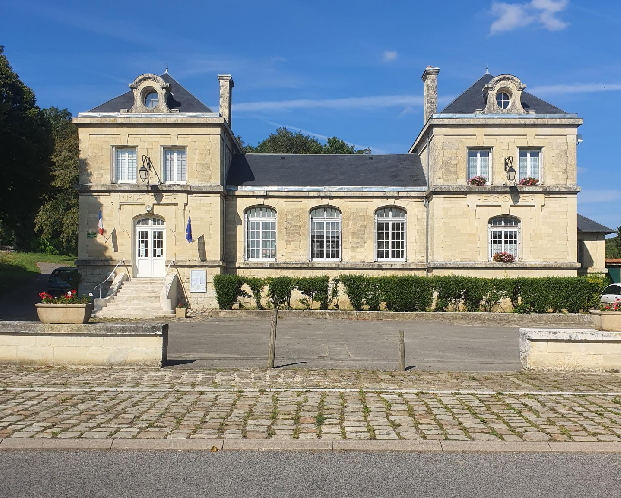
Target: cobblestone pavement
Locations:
point(308, 404)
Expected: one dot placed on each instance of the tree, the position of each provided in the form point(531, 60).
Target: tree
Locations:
point(57, 219)
point(25, 148)
point(613, 246)
point(285, 141)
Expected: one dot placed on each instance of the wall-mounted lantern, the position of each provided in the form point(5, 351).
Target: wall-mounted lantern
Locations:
point(145, 171)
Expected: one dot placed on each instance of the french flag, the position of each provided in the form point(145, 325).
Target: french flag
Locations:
point(100, 223)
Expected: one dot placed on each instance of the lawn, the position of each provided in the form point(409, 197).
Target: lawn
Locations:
point(17, 267)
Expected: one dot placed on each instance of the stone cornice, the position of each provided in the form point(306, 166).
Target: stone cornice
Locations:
point(503, 189)
point(520, 265)
point(150, 189)
point(329, 265)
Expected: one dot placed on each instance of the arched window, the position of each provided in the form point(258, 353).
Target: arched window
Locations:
point(260, 233)
point(390, 234)
point(504, 235)
point(325, 236)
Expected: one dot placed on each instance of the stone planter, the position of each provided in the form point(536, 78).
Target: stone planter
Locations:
point(181, 312)
point(64, 313)
point(607, 320)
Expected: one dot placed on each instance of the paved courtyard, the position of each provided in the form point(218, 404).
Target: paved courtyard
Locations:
point(307, 404)
point(357, 344)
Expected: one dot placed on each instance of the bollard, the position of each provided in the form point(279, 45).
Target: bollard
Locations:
point(401, 352)
point(272, 353)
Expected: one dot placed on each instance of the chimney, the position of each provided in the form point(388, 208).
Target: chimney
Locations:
point(226, 87)
point(430, 79)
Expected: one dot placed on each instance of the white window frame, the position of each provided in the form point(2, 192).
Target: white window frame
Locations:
point(539, 150)
point(391, 222)
point(324, 220)
point(478, 150)
point(250, 217)
point(517, 229)
point(174, 148)
point(115, 170)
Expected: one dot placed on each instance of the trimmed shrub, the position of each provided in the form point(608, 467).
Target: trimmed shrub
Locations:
point(362, 291)
point(314, 289)
point(256, 286)
point(407, 293)
point(228, 290)
point(279, 290)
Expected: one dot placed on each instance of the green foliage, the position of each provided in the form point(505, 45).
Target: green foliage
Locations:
point(362, 291)
point(18, 267)
point(407, 293)
point(285, 141)
point(314, 289)
point(228, 290)
point(26, 144)
point(256, 286)
point(57, 219)
point(279, 291)
point(613, 246)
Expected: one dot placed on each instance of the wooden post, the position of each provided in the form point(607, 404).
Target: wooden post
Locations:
point(272, 353)
point(401, 352)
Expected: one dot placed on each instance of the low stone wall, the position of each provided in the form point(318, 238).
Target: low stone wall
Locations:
point(568, 350)
point(95, 344)
point(458, 318)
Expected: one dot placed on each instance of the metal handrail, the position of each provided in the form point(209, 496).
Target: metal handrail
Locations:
point(108, 277)
point(172, 262)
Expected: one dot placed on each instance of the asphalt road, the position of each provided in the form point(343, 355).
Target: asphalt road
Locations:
point(250, 474)
point(359, 344)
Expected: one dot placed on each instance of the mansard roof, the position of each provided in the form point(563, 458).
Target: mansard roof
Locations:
point(589, 226)
point(473, 99)
point(326, 170)
point(179, 98)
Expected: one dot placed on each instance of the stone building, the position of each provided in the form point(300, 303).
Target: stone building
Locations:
point(156, 162)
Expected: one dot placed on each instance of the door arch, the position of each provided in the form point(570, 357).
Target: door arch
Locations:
point(150, 247)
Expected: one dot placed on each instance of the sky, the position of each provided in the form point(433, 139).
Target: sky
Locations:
point(341, 68)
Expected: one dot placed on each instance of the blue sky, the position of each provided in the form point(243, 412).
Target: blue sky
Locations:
point(341, 68)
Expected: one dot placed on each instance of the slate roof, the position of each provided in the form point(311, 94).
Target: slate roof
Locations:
point(587, 225)
point(472, 100)
point(179, 98)
point(329, 170)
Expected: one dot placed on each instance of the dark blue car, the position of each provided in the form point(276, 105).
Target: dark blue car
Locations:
point(62, 280)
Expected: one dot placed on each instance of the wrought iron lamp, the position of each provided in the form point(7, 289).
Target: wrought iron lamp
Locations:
point(510, 170)
point(145, 171)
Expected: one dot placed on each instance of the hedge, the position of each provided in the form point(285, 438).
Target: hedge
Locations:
point(413, 293)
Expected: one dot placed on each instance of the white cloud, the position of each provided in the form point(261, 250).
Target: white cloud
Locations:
point(599, 196)
point(574, 88)
point(511, 16)
point(374, 102)
point(390, 55)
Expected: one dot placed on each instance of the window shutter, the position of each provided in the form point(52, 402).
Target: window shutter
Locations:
point(534, 164)
point(472, 165)
point(181, 165)
point(523, 173)
point(485, 164)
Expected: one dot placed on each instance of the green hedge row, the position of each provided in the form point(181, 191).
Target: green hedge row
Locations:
point(229, 288)
point(411, 293)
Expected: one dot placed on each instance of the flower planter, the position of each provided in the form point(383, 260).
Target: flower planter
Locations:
point(64, 313)
point(607, 320)
point(181, 312)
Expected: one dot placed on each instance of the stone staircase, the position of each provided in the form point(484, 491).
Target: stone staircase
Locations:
point(136, 298)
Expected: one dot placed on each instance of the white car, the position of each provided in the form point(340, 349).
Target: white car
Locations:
point(611, 294)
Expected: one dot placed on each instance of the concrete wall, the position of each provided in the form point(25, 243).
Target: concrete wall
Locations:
point(102, 344)
point(570, 349)
point(592, 252)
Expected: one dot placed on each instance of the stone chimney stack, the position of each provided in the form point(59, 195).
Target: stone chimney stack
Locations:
point(430, 79)
point(226, 89)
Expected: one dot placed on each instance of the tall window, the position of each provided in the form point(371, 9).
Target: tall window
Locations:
point(390, 234)
point(530, 163)
point(260, 233)
point(478, 163)
point(325, 233)
point(175, 169)
point(504, 233)
point(125, 165)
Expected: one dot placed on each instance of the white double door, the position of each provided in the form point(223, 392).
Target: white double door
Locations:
point(150, 247)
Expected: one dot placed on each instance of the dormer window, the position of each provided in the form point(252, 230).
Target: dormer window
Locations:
point(151, 100)
point(503, 100)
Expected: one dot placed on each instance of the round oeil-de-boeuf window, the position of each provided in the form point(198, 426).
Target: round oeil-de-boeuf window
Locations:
point(503, 100)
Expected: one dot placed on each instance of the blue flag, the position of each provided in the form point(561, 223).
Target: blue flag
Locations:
point(188, 231)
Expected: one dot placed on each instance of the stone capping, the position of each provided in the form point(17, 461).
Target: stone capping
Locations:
point(461, 317)
point(342, 265)
point(504, 189)
point(147, 189)
point(507, 266)
point(85, 329)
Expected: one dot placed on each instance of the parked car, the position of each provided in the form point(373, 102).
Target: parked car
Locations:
point(611, 294)
point(62, 280)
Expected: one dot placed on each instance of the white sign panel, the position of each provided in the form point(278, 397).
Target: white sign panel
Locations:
point(198, 280)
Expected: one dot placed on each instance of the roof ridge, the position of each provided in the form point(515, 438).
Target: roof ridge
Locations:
point(462, 93)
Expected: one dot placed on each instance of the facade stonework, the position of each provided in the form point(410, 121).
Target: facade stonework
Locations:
point(153, 174)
